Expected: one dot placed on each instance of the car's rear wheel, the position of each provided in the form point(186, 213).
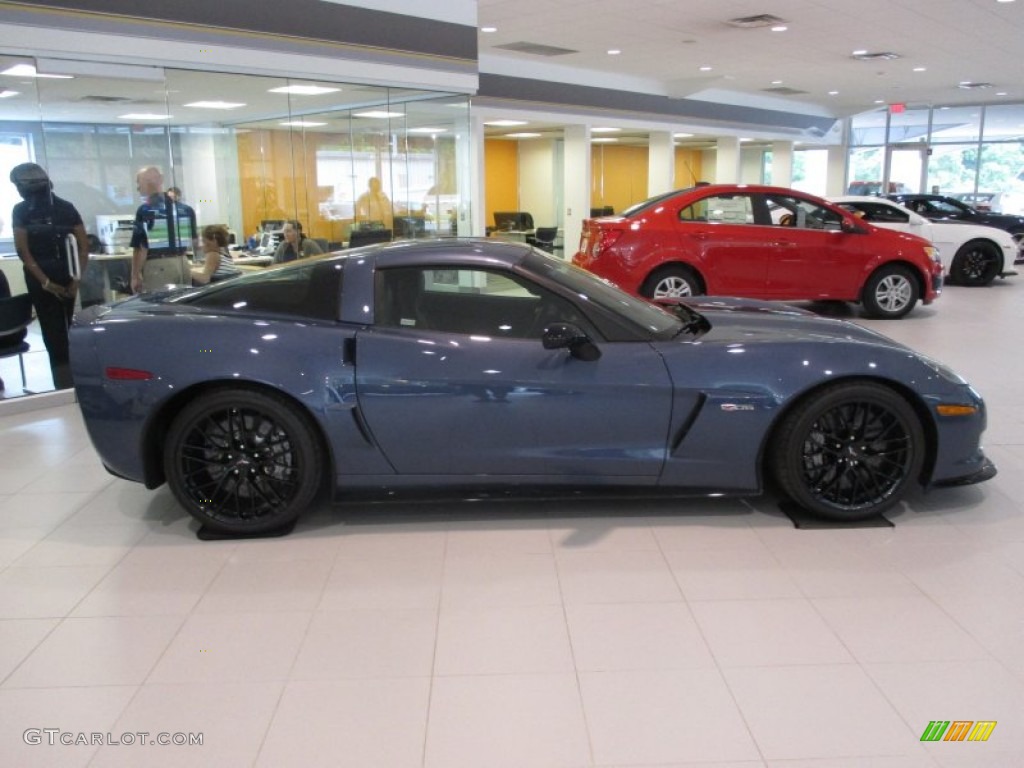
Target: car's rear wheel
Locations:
point(848, 452)
point(977, 263)
point(890, 293)
point(242, 462)
point(672, 282)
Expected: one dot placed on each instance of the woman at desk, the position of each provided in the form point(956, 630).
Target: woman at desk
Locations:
point(217, 264)
point(295, 245)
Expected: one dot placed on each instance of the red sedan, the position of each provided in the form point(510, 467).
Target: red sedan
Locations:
point(760, 242)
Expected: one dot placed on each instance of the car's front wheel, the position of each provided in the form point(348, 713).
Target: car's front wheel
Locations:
point(848, 452)
point(977, 263)
point(890, 293)
point(242, 462)
point(672, 282)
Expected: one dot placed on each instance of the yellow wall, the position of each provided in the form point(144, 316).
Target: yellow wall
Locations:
point(618, 176)
point(688, 168)
point(501, 177)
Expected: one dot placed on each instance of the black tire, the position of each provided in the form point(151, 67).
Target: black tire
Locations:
point(849, 451)
point(673, 281)
point(242, 462)
point(891, 292)
point(976, 263)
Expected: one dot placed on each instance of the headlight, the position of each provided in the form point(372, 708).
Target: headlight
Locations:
point(932, 253)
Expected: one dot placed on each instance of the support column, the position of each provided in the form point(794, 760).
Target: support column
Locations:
point(835, 178)
point(661, 163)
point(477, 225)
point(577, 175)
point(782, 163)
point(727, 160)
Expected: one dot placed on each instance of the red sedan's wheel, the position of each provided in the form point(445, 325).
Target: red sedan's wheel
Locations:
point(672, 282)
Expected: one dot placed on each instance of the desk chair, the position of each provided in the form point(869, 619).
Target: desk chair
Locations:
point(543, 238)
point(15, 317)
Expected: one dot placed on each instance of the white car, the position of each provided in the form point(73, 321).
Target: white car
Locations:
point(973, 254)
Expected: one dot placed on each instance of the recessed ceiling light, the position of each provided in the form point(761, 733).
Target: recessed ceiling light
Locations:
point(879, 101)
point(604, 129)
point(505, 123)
point(143, 116)
point(28, 70)
point(776, 82)
point(6, 94)
point(522, 135)
point(705, 69)
point(746, 139)
point(614, 51)
point(604, 140)
point(304, 90)
point(998, 93)
point(682, 135)
point(426, 129)
point(833, 93)
point(779, 28)
point(920, 69)
point(488, 30)
point(216, 104)
point(379, 114)
point(859, 52)
point(302, 123)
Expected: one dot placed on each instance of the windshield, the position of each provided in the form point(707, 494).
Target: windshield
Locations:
point(592, 289)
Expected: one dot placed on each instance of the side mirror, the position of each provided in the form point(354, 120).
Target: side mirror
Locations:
point(571, 337)
point(851, 228)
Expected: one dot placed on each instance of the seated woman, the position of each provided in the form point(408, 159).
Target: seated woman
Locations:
point(217, 263)
point(295, 245)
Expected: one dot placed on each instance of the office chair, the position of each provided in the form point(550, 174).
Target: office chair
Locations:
point(360, 237)
point(15, 317)
point(543, 238)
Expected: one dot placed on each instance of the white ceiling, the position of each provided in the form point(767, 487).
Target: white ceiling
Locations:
point(664, 43)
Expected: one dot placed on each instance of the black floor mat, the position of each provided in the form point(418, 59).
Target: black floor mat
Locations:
point(801, 518)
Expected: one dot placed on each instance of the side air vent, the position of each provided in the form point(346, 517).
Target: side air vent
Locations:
point(880, 56)
point(971, 86)
point(536, 49)
point(106, 99)
point(753, 22)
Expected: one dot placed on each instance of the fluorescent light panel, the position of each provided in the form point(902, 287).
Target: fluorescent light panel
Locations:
point(143, 116)
point(28, 70)
point(379, 114)
point(304, 90)
point(216, 104)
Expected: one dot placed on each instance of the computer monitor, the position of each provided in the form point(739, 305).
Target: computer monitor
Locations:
point(514, 221)
point(272, 225)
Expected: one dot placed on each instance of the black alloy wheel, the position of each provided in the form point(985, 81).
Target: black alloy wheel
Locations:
point(242, 462)
point(976, 264)
point(849, 452)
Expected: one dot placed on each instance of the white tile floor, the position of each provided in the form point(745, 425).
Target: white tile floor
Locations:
point(640, 634)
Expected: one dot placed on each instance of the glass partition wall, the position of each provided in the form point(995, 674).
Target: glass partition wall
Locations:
point(242, 150)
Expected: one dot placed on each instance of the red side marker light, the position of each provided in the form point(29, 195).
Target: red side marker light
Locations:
point(127, 374)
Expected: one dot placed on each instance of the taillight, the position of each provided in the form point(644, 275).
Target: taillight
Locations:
point(606, 238)
point(127, 374)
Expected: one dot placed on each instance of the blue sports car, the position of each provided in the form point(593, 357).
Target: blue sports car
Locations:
point(479, 364)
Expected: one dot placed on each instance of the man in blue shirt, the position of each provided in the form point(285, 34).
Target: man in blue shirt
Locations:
point(164, 232)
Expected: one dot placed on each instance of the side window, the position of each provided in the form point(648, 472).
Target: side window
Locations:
point(728, 209)
point(475, 302)
point(802, 214)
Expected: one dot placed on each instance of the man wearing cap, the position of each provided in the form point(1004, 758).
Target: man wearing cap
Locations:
point(43, 226)
point(164, 231)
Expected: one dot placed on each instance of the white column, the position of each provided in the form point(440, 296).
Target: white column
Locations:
point(727, 160)
point(835, 179)
point(477, 225)
point(577, 185)
point(782, 163)
point(661, 163)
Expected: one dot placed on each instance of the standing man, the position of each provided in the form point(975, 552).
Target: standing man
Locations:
point(164, 231)
point(373, 209)
point(54, 250)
